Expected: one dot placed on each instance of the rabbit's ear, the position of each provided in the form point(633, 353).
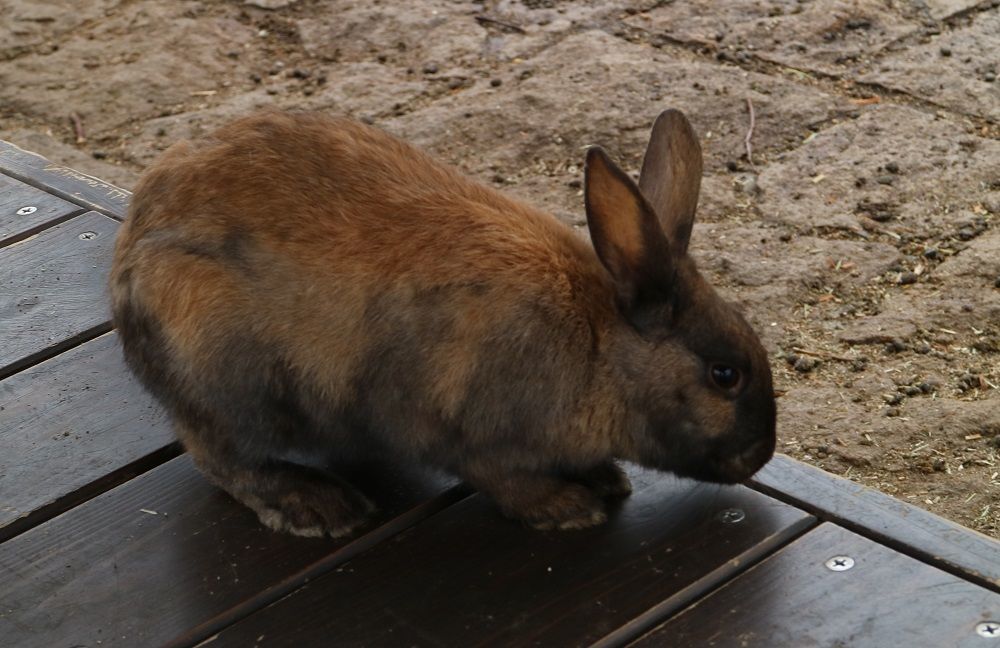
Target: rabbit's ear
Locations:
point(671, 176)
point(626, 235)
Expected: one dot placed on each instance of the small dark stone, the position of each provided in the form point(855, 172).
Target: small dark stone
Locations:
point(892, 167)
point(945, 51)
point(893, 399)
point(255, 77)
point(496, 83)
point(785, 237)
point(911, 390)
point(732, 166)
point(882, 216)
point(526, 74)
point(892, 412)
point(456, 83)
point(938, 464)
point(860, 182)
point(299, 73)
point(321, 79)
point(859, 364)
point(966, 233)
point(885, 179)
point(791, 358)
point(430, 68)
point(99, 155)
point(858, 23)
point(927, 387)
point(907, 278)
point(967, 308)
point(805, 365)
point(931, 253)
point(160, 132)
point(990, 77)
point(922, 348)
point(575, 183)
point(996, 282)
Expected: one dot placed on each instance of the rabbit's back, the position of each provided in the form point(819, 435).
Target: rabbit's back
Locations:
point(357, 268)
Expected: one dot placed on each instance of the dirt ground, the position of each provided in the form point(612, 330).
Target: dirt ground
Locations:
point(860, 233)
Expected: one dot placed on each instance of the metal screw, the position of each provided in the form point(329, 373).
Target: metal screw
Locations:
point(990, 629)
point(840, 563)
point(732, 516)
point(88, 236)
point(24, 211)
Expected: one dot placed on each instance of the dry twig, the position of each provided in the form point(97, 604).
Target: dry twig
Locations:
point(81, 136)
point(822, 355)
point(746, 140)
point(493, 21)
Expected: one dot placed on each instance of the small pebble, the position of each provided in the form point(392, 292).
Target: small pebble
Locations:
point(907, 278)
point(805, 365)
point(858, 23)
point(893, 399)
point(892, 167)
point(945, 51)
point(990, 77)
point(931, 253)
point(922, 348)
point(938, 464)
point(912, 390)
point(927, 387)
point(255, 77)
point(885, 179)
point(456, 83)
point(996, 283)
point(892, 411)
point(496, 83)
point(299, 73)
point(575, 183)
point(99, 155)
point(966, 233)
point(895, 346)
point(859, 364)
point(430, 68)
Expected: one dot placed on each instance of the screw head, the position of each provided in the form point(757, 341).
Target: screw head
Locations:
point(840, 563)
point(989, 629)
point(88, 236)
point(732, 516)
point(24, 211)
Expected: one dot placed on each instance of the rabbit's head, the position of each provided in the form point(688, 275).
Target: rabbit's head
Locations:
point(695, 377)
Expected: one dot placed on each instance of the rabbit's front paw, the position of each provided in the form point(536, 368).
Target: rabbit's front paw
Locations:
point(606, 480)
point(546, 502)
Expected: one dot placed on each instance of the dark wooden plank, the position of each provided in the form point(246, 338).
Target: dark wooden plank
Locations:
point(108, 572)
point(469, 577)
point(793, 599)
point(53, 290)
point(25, 210)
point(71, 428)
point(904, 527)
point(76, 187)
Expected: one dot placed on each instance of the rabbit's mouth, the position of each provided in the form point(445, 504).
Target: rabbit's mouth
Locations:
point(740, 467)
point(731, 468)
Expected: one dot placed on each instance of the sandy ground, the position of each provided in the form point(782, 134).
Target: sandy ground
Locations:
point(861, 234)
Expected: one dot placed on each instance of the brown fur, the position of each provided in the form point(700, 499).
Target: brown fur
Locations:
point(299, 282)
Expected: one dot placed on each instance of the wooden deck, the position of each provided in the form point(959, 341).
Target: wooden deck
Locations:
point(108, 535)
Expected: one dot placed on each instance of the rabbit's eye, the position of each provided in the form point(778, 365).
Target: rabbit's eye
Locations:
point(724, 376)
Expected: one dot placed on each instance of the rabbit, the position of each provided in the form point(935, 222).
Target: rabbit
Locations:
point(302, 283)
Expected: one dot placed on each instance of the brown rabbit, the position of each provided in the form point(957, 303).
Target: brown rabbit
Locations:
point(295, 282)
